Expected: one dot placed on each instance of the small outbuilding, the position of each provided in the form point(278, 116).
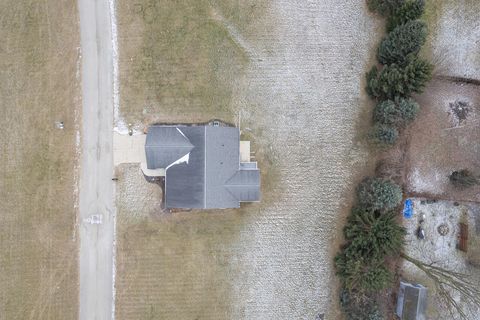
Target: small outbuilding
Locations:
point(411, 302)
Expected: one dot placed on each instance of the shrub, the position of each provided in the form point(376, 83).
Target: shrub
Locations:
point(408, 110)
point(373, 88)
point(359, 307)
point(362, 274)
point(384, 7)
point(463, 179)
point(378, 194)
point(396, 113)
point(390, 169)
point(383, 136)
point(372, 234)
point(386, 112)
point(403, 41)
point(410, 10)
point(395, 80)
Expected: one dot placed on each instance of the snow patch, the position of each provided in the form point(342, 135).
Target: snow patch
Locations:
point(122, 128)
point(430, 182)
point(183, 159)
point(456, 40)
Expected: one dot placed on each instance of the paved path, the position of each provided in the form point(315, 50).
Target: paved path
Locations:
point(96, 186)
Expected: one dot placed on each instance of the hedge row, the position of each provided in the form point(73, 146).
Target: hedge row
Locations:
point(402, 71)
point(372, 233)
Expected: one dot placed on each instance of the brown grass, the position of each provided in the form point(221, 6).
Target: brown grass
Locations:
point(38, 246)
point(177, 63)
point(177, 57)
point(293, 73)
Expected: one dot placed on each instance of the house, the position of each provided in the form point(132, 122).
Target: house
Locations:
point(203, 166)
point(411, 301)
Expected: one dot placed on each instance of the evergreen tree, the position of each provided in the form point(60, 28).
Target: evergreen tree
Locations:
point(362, 274)
point(384, 7)
point(360, 307)
point(396, 113)
point(373, 234)
point(383, 136)
point(394, 80)
point(373, 89)
point(407, 109)
point(404, 40)
point(378, 194)
point(410, 10)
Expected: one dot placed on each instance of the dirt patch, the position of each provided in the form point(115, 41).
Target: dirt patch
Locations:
point(39, 85)
point(289, 73)
point(444, 138)
point(459, 111)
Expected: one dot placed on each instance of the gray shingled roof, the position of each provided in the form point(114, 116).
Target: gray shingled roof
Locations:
point(212, 177)
point(245, 185)
point(165, 145)
point(185, 182)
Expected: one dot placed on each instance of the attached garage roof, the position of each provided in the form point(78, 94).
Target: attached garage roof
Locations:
point(164, 146)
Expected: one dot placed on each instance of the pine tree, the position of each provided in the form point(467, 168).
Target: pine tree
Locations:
point(416, 75)
point(360, 306)
point(362, 274)
point(373, 89)
point(378, 194)
point(404, 40)
point(396, 81)
point(373, 234)
point(408, 110)
point(397, 113)
point(383, 136)
point(384, 7)
point(410, 10)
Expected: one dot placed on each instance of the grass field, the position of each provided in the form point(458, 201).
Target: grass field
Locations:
point(292, 73)
point(178, 59)
point(39, 84)
point(453, 44)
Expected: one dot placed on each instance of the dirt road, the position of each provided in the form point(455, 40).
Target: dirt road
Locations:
point(96, 186)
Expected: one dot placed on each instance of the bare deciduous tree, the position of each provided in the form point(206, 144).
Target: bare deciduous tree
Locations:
point(447, 280)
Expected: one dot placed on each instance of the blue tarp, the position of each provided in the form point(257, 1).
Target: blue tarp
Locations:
point(408, 209)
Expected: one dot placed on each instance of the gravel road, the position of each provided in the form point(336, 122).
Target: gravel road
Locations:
point(96, 186)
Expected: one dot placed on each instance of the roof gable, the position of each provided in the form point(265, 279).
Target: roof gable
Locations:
point(244, 185)
point(165, 145)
